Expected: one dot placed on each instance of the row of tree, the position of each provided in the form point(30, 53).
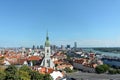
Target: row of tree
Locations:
point(107, 69)
point(23, 73)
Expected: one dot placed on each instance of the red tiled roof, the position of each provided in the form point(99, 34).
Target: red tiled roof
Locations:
point(37, 58)
point(58, 62)
point(45, 70)
point(21, 61)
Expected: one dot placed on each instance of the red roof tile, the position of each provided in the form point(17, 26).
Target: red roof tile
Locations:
point(45, 70)
point(37, 58)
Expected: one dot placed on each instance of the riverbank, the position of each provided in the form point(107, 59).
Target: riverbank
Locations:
point(92, 76)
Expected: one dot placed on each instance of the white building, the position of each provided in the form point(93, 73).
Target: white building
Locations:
point(57, 75)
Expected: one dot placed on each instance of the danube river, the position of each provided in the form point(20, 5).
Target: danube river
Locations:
point(110, 54)
point(104, 53)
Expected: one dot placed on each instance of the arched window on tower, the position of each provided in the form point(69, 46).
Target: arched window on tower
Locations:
point(48, 61)
point(47, 51)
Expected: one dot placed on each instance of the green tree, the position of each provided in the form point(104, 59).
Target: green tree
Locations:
point(26, 69)
point(106, 67)
point(56, 65)
point(118, 71)
point(2, 74)
point(47, 77)
point(23, 75)
point(99, 69)
point(11, 73)
point(102, 68)
point(36, 76)
point(112, 71)
point(68, 70)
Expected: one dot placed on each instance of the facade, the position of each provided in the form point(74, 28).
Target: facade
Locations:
point(86, 65)
point(47, 61)
point(84, 68)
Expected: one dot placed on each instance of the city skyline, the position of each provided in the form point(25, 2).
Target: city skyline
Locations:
point(90, 23)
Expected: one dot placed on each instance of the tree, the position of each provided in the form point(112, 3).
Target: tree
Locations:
point(24, 75)
point(102, 68)
point(11, 73)
point(47, 77)
point(56, 65)
point(33, 75)
point(36, 76)
point(112, 71)
point(106, 67)
point(26, 69)
point(68, 70)
point(118, 71)
point(2, 74)
point(11, 69)
point(99, 69)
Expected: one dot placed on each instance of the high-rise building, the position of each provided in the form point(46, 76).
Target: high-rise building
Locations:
point(68, 46)
point(41, 46)
point(38, 47)
point(47, 62)
point(33, 47)
point(53, 47)
point(75, 45)
point(62, 47)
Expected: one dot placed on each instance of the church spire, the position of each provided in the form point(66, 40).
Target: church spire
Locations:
point(47, 43)
point(47, 38)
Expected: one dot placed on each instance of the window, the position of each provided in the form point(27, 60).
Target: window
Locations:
point(48, 61)
point(47, 51)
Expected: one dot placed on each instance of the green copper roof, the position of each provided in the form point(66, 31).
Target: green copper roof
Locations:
point(47, 43)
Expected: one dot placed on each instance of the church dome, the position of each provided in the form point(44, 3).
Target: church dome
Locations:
point(47, 43)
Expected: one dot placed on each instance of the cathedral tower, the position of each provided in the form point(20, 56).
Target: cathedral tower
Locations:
point(47, 62)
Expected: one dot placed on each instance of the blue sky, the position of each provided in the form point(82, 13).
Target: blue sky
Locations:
point(88, 22)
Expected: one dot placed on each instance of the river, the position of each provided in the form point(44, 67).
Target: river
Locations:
point(104, 53)
point(111, 54)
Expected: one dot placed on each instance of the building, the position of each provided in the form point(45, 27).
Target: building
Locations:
point(87, 65)
point(33, 48)
point(41, 47)
point(47, 61)
point(62, 47)
point(82, 64)
point(75, 45)
point(68, 47)
point(57, 75)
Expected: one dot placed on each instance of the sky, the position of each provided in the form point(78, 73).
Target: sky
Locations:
point(90, 23)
